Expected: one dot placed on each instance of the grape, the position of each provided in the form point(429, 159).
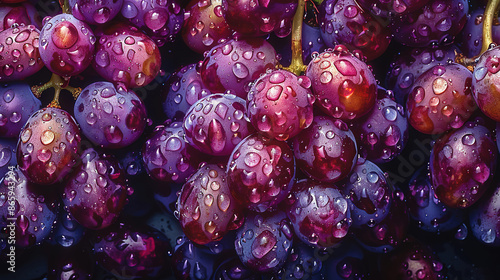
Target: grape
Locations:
point(483, 219)
point(66, 45)
point(95, 12)
point(233, 65)
point(302, 263)
point(233, 269)
point(48, 146)
point(260, 172)
point(132, 251)
point(71, 263)
point(191, 261)
point(472, 38)
point(19, 48)
point(319, 213)
point(438, 22)
point(110, 117)
point(67, 232)
point(484, 83)
point(168, 157)
point(17, 104)
point(96, 192)
point(311, 42)
point(161, 19)
point(35, 209)
point(344, 86)
point(344, 22)
point(206, 208)
point(7, 155)
point(408, 65)
point(462, 165)
point(21, 14)
point(182, 89)
point(347, 262)
point(327, 150)
point(205, 27)
point(215, 124)
point(258, 18)
point(384, 8)
point(441, 99)
point(125, 55)
point(264, 241)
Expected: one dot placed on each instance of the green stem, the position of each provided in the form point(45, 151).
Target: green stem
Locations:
point(65, 6)
point(489, 14)
point(58, 83)
point(297, 66)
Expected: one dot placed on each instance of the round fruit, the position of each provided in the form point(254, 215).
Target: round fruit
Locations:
point(17, 104)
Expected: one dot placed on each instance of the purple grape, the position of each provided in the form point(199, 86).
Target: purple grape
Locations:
point(303, 263)
point(20, 57)
point(95, 12)
point(345, 22)
point(30, 210)
point(485, 79)
point(233, 269)
point(132, 251)
point(205, 27)
point(110, 117)
point(17, 104)
point(319, 213)
point(191, 261)
point(168, 157)
point(258, 18)
point(264, 241)
point(370, 194)
point(311, 42)
point(280, 104)
point(438, 22)
point(409, 64)
point(424, 207)
point(261, 172)
point(21, 14)
point(161, 19)
point(233, 65)
point(48, 146)
point(327, 150)
point(441, 99)
point(215, 124)
point(96, 192)
point(484, 222)
point(125, 55)
point(472, 38)
point(462, 165)
point(384, 8)
point(344, 85)
point(206, 208)
point(71, 263)
point(66, 45)
point(346, 262)
point(67, 232)
point(382, 134)
point(7, 155)
point(181, 91)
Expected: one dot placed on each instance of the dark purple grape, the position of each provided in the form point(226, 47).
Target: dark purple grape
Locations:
point(132, 251)
point(66, 45)
point(48, 146)
point(7, 155)
point(303, 263)
point(370, 194)
point(280, 104)
point(206, 208)
point(71, 263)
point(96, 192)
point(472, 38)
point(181, 91)
point(485, 79)
point(409, 64)
point(344, 85)
point(345, 22)
point(345, 262)
point(462, 165)
point(233, 65)
point(19, 53)
point(258, 18)
point(95, 12)
point(438, 22)
point(25, 209)
point(67, 232)
point(17, 104)
point(168, 157)
point(326, 151)
point(110, 117)
point(125, 55)
point(385, 8)
point(205, 27)
point(260, 172)
point(311, 42)
point(319, 213)
point(484, 222)
point(441, 99)
point(21, 14)
point(191, 261)
point(233, 269)
point(425, 208)
point(264, 241)
point(215, 124)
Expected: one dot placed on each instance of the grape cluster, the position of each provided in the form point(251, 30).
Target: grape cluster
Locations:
point(260, 139)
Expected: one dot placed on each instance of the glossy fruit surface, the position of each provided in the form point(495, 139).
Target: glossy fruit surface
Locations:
point(483, 219)
point(21, 14)
point(17, 104)
point(484, 83)
point(95, 12)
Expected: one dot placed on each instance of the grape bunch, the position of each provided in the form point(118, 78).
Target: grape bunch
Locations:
point(233, 139)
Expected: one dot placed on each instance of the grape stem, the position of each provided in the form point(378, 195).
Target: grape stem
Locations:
point(65, 6)
point(58, 83)
point(297, 66)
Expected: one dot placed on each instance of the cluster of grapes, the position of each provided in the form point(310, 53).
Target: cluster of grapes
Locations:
point(363, 159)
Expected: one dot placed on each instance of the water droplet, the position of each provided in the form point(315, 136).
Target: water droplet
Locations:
point(47, 137)
point(240, 70)
point(102, 58)
point(113, 134)
point(468, 140)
